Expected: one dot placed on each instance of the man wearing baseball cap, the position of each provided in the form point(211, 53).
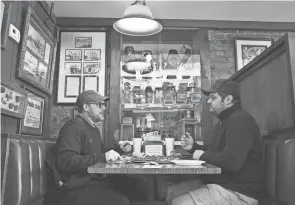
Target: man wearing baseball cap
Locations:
point(236, 147)
point(79, 146)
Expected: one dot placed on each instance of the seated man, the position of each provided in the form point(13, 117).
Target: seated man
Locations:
point(236, 147)
point(78, 146)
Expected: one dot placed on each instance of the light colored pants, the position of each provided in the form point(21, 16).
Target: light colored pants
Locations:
point(195, 193)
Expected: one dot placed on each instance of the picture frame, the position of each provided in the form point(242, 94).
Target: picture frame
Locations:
point(13, 100)
point(37, 58)
point(92, 54)
point(5, 22)
point(32, 123)
point(90, 81)
point(73, 86)
point(90, 66)
point(83, 42)
point(246, 49)
point(73, 54)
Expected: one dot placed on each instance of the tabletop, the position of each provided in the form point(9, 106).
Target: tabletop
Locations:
point(132, 168)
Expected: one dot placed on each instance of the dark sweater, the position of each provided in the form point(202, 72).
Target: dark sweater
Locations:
point(237, 148)
point(78, 146)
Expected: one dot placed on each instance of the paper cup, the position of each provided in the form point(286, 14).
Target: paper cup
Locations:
point(169, 142)
point(137, 145)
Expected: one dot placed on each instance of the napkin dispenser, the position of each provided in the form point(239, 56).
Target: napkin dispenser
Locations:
point(153, 148)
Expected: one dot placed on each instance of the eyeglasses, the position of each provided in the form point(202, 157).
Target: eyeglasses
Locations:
point(101, 104)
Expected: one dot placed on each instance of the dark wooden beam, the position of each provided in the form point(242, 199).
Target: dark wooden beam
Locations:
point(185, 23)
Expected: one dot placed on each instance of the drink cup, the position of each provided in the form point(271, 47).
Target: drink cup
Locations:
point(169, 142)
point(137, 145)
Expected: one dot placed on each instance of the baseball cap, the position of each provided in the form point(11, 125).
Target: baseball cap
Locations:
point(226, 86)
point(90, 96)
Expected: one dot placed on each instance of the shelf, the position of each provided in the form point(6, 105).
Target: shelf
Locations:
point(157, 105)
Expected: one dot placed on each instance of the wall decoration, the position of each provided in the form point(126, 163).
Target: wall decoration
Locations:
point(73, 68)
point(13, 100)
point(89, 66)
point(91, 83)
point(37, 53)
point(91, 54)
point(83, 42)
point(73, 55)
point(5, 20)
point(248, 48)
point(72, 86)
point(32, 123)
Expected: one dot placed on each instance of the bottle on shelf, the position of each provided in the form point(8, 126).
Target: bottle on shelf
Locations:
point(149, 94)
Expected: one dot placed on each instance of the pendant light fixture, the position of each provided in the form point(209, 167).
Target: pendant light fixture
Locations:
point(138, 20)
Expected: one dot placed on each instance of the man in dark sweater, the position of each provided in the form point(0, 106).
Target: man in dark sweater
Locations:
point(236, 147)
point(78, 146)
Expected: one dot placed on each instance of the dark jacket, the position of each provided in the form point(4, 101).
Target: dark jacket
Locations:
point(237, 148)
point(78, 146)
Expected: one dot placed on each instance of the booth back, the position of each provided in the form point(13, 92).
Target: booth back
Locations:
point(280, 171)
point(24, 173)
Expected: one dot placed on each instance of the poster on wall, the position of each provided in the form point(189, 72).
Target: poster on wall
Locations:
point(33, 120)
point(82, 64)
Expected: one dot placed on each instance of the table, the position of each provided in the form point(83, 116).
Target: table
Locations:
point(151, 171)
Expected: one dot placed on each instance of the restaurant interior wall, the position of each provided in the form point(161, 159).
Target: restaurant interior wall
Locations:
point(220, 62)
point(9, 63)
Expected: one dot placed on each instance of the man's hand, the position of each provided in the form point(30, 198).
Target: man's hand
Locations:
point(125, 147)
point(197, 154)
point(187, 141)
point(112, 156)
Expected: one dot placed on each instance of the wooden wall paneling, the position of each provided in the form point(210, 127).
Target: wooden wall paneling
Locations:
point(267, 88)
point(202, 39)
point(114, 89)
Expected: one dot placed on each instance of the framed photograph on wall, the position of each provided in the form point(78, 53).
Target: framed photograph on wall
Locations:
point(246, 49)
point(37, 53)
point(82, 64)
point(5, 20)
point(13, 100)
point(91, 83)
point(32, 123)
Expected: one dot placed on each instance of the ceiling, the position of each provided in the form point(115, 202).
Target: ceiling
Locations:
point(268, 11)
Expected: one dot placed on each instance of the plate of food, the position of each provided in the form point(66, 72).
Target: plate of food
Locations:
point(188, 162)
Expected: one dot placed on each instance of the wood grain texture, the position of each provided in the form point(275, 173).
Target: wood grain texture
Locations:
point(164, 169)
point(267, 87)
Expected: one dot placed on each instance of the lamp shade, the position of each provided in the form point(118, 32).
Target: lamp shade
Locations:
point(137, 20)
point(149, 117)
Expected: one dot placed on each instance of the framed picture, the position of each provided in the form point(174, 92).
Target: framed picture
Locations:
point(5, 20)
point(83, 42)
point(91, 68)
point(32, 123)
point(37, 53)
point(82, 64)
point(91, 83)
point(73, 55)
point(247, 49)
point(73, 68)
point(92, 54)
point(72, 86)
point(13, 100)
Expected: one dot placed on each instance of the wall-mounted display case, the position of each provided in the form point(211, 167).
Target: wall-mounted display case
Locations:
point(161, 84)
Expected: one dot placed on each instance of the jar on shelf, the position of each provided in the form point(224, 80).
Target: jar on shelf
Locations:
point(158, 95)
point(149, 94)
point(136, 94)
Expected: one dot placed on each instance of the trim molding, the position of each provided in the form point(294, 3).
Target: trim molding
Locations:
point(184, 23)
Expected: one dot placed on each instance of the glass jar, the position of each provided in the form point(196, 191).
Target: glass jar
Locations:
point(149, 94)
point(158, 95)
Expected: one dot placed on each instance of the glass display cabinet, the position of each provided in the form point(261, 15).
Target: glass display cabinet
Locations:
point(161, 85)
